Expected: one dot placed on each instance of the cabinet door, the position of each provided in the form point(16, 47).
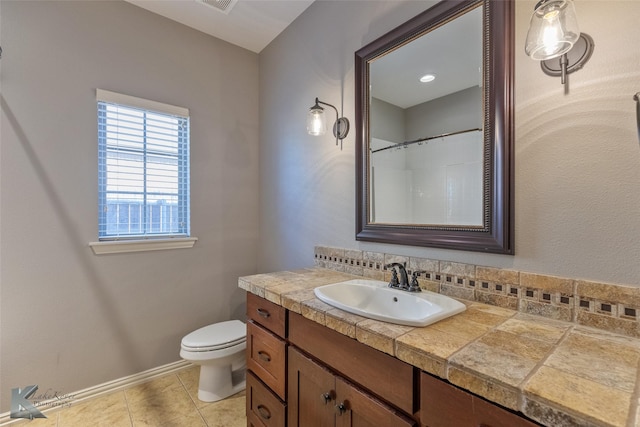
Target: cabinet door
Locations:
point(355, 408)
point(311, 393)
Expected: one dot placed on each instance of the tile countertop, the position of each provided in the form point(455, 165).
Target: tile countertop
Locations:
point(557, 373)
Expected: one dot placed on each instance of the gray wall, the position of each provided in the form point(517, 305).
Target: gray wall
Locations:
point(577, 155)
point(387, 121)
point(71, 319)
point(459, 111)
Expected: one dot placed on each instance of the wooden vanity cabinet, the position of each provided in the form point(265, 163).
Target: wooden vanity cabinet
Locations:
point(303, 374)
point(444, 405)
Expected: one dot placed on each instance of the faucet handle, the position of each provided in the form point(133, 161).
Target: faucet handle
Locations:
point(414, 286)
point(394, 283)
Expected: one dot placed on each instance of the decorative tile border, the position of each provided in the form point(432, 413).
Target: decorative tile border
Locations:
point(611, 307)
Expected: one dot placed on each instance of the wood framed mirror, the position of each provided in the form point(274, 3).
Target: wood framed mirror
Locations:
point(435, 161)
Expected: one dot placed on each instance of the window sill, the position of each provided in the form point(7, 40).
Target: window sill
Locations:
point(124, 246)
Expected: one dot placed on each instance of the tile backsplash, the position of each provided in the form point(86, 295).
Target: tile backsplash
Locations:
point(611, 307)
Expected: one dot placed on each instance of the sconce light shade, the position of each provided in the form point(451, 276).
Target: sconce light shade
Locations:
point(316, 123)
point(553, 33)
point(553, 29)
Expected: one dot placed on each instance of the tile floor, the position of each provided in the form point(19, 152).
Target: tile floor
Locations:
point(167, 401)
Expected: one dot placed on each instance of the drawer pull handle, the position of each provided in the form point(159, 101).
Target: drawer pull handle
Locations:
point(326, 398)
point(262, 312)
point(341, 408)
point(264, 412)
point(264, 356)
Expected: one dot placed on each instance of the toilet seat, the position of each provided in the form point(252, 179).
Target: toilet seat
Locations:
point(214, 337)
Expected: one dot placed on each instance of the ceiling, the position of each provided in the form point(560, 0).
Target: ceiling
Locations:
point(451, 52)
point(251, 24)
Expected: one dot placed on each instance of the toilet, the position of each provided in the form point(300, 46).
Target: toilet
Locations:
point(219, 349)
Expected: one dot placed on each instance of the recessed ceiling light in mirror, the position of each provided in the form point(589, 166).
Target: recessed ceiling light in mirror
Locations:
point(427, 78)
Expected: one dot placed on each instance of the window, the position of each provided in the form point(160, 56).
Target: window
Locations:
point(143, 169)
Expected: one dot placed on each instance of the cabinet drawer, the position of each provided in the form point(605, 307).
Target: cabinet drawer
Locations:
point(266, 356)
point(268, 314)
point(444, 405)
point(263, 407)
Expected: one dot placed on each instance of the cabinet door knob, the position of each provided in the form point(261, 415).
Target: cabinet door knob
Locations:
point(264, 412)
point(326, 397)
point(264, 356)
point(341, 408)
point(262, 312)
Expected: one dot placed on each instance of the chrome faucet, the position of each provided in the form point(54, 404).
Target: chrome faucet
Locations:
point(404, 278)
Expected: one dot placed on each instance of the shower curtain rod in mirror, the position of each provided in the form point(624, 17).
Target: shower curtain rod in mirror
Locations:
point(415, 141)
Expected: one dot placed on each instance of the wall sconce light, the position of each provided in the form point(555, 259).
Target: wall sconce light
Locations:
point(317, 125)
point(553, 33)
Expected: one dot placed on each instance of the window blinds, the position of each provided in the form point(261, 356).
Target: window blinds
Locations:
point(143, 173)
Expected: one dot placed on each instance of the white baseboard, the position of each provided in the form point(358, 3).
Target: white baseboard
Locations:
point(105, 388)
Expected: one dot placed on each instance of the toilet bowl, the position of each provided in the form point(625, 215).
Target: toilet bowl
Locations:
point(219, 349)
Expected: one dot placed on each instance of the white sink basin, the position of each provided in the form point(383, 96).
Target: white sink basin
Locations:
point(375, 300)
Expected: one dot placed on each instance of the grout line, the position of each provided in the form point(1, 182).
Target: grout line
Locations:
point(193, 400)
point(447, 360)
point(537, 367)
point(126, 402)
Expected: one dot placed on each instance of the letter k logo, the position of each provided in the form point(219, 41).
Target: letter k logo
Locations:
point(21, 407)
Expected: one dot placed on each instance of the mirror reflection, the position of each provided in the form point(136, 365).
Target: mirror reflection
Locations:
point(426, 149)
